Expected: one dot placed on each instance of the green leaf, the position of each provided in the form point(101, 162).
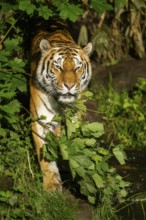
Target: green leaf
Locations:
point(45, 12)
point(104, 166)
point(83, 160)
point(88, 94)
point(3, 132)
point(64, 153)
point(89, 152)
point(123, 192)
point(4, 54)
point(95, 128)
point(102, 151)
point(80, 171)
point(98, 180)
point(70, 11)
point(6, 194)
point(91, 187)
point(11, 108)
point(11, 44)
point(25, 5)
point(71, 127)
point(91, 199)
point(73, 163)
point(20, 83)
point(90, 142)
point(74, 149)
point(101, 6)
point(49, 153)
point(7, 95)
point(6, 7)
point(97, 158)
point(59, 2)
point(120, 155)
point(16, 65)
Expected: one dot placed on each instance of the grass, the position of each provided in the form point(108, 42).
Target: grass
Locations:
point(24, 197)
point(32, 202)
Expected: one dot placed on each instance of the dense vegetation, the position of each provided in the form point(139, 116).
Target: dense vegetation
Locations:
point(21, 194)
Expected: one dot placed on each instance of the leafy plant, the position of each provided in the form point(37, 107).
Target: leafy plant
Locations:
point(39, 204)
point(81, 146)
point(87, 158)
point(124, 114)
point(64, 9)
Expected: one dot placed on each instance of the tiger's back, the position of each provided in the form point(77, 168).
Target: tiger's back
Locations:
point(60, 70)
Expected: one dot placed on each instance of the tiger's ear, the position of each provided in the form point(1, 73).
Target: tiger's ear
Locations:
point(88, 48)
point(44, 45)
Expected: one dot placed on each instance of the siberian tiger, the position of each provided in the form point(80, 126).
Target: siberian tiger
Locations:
point(60, 70)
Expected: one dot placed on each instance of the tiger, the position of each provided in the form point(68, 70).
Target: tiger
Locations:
point(60, 71)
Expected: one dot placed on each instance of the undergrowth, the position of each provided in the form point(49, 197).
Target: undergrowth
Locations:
point(82, 145)
point(34, 203)
point(23, 197)
point(124, 114)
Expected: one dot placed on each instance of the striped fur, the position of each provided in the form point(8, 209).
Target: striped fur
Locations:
point(60, 70)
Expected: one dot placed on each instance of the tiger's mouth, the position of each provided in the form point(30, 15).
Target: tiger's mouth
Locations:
point(67, 97)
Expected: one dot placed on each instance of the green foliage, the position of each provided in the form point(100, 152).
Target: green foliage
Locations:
point(39, 205)
point(88, 160)
point(80, 145)
point(64, 9)
point(101, 6)
point(125, 114)
point(24, 198)
point(70, 11)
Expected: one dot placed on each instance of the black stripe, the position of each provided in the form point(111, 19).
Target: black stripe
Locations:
point(48, 63)
point(43, 65)
point(86, 82)
point(51, 58)
point(39, 85)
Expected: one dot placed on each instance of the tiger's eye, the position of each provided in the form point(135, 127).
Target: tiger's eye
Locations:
point(58, 67)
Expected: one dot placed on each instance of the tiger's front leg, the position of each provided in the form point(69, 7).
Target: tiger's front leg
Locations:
point(51, 176)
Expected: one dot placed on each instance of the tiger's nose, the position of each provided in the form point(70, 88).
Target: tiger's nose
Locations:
point(69, 85)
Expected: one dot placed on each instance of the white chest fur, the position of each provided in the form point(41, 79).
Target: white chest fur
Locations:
point(47, 108)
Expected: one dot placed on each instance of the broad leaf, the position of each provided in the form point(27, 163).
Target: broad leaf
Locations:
point(120, 155)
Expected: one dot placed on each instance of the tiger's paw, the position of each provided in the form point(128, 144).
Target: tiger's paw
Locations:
point(51, 176)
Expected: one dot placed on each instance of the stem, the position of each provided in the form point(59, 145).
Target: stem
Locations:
point(29, 165)
point(12, 26)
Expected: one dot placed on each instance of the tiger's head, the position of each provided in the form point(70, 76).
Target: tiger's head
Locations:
point(64, 70)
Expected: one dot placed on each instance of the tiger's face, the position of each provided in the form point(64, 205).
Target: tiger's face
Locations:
point(64, 71)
